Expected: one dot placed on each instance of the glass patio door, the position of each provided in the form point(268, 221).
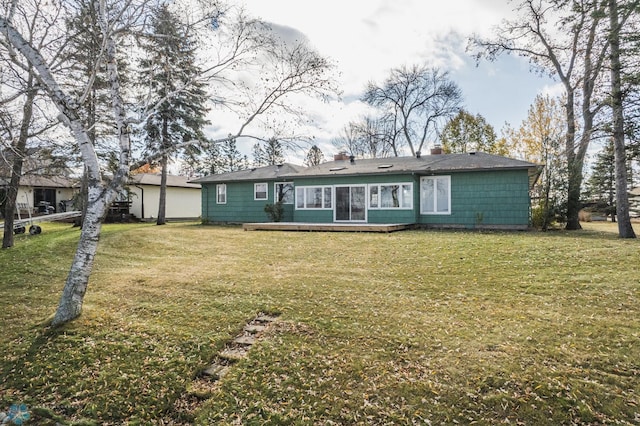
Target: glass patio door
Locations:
point(351, 204)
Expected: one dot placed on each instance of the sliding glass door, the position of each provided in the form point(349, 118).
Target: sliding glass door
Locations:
point(351, 204)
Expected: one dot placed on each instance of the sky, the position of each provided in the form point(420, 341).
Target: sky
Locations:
point(368, 38)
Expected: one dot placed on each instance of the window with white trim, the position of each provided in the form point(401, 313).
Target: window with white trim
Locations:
point(221, 193)
point(435, 195)
point(391, 196)
point(260, 191)
point(284, 192)
point(313, 197)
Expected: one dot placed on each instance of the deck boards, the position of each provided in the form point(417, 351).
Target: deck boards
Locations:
point(327, 227)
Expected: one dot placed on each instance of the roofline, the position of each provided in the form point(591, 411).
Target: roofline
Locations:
point(411, 172)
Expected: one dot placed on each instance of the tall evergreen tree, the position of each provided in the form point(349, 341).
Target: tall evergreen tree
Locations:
point(601, 185)
point(169, 68)
point(258, 153)
point(231, 159)
point(274, 152)
point(204, 161)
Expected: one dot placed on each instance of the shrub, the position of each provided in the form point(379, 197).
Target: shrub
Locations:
point(274, 211)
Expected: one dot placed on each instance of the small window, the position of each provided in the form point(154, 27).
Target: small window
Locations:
point(284, 192)
point(260, 191)
point(221, 193)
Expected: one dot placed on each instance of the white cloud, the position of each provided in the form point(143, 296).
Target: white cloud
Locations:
point(367, 38)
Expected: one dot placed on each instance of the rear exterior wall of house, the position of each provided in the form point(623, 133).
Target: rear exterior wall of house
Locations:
point(478, 199)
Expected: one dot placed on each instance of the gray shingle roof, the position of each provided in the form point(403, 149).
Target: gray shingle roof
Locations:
point(154, 179)
point(259, 173)
point(425, 165)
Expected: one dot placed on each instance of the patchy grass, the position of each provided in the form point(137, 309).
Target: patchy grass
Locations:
point(442, 327)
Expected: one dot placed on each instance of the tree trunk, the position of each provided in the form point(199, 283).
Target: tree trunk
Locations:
point(625, 229)
point(70, 305)
point(164, 160)
point(574, 171)
point(162, 205)
point(99, 197)
point(10, 206)
point(18, 159)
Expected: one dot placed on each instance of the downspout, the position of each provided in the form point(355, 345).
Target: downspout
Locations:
point(141, 200)
point(205, 203)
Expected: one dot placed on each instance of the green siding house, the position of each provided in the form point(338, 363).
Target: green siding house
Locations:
point(470, 190)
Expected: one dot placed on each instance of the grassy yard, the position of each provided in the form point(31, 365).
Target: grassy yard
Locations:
point(412, 327)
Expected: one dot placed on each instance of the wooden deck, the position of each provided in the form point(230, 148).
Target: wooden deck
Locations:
point(327, 227)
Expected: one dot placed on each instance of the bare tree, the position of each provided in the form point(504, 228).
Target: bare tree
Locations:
point(562, 38)
point(368, 137)
point(299, 71)
point(419, 99)
point(23, 120)
point(314, 157)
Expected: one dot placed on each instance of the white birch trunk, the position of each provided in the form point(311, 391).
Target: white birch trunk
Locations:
point(99, 195)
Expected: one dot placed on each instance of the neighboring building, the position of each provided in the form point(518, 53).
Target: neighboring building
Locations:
point(470, 190)
point(44, 186)
point(183, 198)
point(41, 194)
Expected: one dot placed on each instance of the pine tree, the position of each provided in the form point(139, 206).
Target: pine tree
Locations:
point(259, 158)
point(601, 185)
point(274, 153)
point(231, 159)
point(180, 116)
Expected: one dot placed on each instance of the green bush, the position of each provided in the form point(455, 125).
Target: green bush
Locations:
point(274, 211)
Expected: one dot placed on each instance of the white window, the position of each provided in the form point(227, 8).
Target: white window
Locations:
point(221, 193)
point(260, 191)
point(435, 195)
point(391, 196)
point(313, 197)
point(284, 192)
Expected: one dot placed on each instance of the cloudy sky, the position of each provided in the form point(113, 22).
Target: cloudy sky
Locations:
point(366, 38)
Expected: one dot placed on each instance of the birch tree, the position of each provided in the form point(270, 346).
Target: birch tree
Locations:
point(296, 70)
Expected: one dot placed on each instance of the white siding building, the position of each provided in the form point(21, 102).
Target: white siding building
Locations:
point(183, 199)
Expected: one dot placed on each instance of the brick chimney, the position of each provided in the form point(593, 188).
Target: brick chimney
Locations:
point(436, 150)
point(341, 156)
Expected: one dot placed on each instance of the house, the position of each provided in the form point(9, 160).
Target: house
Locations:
point(44, 187)
point(470, 190)
point(42, 194)
point(183, 198)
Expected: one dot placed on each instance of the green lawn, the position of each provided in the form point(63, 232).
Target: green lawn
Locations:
point(411, 327)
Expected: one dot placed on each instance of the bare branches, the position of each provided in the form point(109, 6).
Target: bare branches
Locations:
point(420, 99)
